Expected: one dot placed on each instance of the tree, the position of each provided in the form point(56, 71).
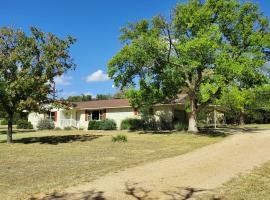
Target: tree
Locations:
point(119, 94)
point(79, 98)
point(259, 109)
point(203, 47)
point(28, 66)
point(103, 96)
point(236, 101)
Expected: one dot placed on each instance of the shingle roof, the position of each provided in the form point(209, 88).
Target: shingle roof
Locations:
point(116, 103)
point(111, 103)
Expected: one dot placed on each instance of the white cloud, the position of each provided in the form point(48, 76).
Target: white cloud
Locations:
point(97, 76)
point(63, 80)
point(91, 94)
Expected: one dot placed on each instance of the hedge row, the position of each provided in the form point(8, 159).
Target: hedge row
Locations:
point(147, 123)
point(24, 124)
point(106, 124)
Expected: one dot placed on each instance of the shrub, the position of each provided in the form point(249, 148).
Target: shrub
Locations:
point(150, 123)
point(125, 124)
point(24, 124)
point(106, 124)
point(68, 128)
point(44, 124)
point(165, 123)
point(180, 126)
point(4, 122)
point(57, 129)
point(146, 123)
point(132, 124)
point(94, 125)
point(119, 138)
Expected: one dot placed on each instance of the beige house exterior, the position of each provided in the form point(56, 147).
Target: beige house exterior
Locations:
point(79, 115)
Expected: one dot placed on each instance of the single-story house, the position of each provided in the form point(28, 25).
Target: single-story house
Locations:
point(79, 115)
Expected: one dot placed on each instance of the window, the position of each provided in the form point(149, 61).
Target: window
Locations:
point(52, 115)
point(95, 115)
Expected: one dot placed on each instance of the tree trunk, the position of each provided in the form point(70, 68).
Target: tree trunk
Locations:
point(9, 131)
point(241, 117)
point(192, 120)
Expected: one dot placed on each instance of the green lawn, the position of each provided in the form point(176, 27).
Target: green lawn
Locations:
point(254, 185)
point(41, 162)
point(259, 126)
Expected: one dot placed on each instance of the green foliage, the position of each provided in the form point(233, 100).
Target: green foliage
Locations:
point(24, 124)
point(180, 126)
point(107, 124)
point(94, 125)
point(119, 138)
point(68, 128)
point(57, 129)
point(4, 121)
point(206, 46)
point(103, 96)
point(202, 119)
point(146, 123)
point(132, 124)
point(252, 103)
point(29, 63)
point(79, 98)
point(45, 124)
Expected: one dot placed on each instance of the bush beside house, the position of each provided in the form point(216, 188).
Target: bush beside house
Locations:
point(107, 124)
point(180, 126)
point(45, 124)
point(24, 124)
point(146, 123)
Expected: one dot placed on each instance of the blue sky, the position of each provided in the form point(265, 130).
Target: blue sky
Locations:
point(95, 24)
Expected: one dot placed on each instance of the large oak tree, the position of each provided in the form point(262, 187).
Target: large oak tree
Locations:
point(28, 65)
point(204, 46)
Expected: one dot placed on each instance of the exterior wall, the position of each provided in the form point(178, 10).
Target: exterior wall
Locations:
point(119, 114)
point(80, 116)
point(164, 112)
point(34, 118)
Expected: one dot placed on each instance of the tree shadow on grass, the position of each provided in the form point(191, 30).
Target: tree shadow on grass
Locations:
point(155, 132)
point(202, 132)
point(88, 195)
point(56, 139)
point(17, 131)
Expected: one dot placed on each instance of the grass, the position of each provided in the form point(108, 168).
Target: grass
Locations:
point(47, 161)
point(259, 126)
point(250, 186)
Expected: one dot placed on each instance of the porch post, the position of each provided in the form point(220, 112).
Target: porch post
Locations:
point(215, 117)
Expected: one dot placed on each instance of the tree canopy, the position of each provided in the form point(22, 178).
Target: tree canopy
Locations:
point(200, 50)
point(79, 98)
point(28, 66)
